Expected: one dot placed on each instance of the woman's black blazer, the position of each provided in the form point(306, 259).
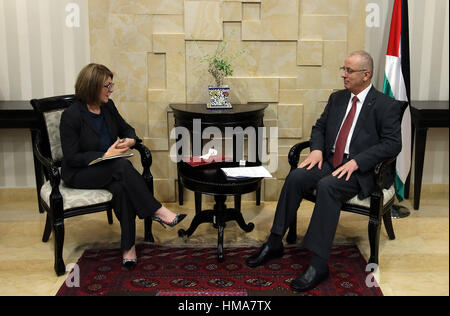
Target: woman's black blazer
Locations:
point(80, 139)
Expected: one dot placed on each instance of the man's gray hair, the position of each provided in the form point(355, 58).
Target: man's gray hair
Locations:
point(366, 60)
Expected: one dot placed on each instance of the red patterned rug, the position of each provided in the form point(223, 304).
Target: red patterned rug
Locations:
point(164, 271)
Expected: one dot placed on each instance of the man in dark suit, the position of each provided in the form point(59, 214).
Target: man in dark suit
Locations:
point(359, 128)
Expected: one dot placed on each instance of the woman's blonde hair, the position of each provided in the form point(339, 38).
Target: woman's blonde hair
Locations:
point(90, 82)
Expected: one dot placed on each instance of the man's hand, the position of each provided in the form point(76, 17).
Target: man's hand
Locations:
point(347, 168)
point(315, 157)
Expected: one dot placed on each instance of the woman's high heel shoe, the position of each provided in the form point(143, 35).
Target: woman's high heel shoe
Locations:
point(175, 222)
point(129, 264)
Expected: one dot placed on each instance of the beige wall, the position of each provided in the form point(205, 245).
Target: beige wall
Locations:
point(293, 51)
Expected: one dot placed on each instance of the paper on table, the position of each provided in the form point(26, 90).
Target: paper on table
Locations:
point(211, 152)
point(247, 172)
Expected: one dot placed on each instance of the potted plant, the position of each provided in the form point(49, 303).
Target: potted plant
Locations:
point(219, 66)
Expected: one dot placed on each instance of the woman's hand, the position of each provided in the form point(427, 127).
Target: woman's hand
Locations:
point(116, 150)
point(126, 142)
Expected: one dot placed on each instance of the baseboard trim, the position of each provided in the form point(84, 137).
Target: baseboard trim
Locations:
point(27, 194)
point(431, 189)
point(18, 194)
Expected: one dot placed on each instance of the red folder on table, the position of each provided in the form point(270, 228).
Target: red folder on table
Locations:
point(197, 161)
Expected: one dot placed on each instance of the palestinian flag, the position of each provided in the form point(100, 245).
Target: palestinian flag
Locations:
point(397, 85)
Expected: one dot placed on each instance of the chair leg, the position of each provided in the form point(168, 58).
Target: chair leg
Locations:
point(110, 217)
point(180, 191)
point(41, 209)
point(60, 267)
point(148, 235)
point(56, 204)
point(292, 234)
point(387, 219)
point(258, 196)
point(47, 229)
point(376, 202)
point(38, 172)
point(374, 239)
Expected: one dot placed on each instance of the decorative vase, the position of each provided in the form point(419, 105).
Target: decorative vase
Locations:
point(218, 97)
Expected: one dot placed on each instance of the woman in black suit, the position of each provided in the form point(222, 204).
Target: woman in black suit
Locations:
point(92, 128)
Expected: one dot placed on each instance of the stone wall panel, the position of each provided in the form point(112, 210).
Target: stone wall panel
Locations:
point(289, 54)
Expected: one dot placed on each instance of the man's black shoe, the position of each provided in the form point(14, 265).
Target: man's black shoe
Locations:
point(308, 280)
point(263, 255)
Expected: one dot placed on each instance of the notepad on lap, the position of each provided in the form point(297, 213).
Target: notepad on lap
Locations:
point(127, 155)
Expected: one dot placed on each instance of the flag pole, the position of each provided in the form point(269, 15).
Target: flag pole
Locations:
point(398, 211)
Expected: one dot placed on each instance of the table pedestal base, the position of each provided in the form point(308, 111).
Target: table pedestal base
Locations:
point(218, 217)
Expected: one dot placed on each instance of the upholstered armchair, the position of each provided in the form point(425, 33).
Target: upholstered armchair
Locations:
point(62, 202)
point(377, 207)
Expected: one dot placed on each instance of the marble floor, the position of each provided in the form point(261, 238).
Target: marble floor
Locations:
point(415, 263)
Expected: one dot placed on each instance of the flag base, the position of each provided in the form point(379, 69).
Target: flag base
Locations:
point(398, 211)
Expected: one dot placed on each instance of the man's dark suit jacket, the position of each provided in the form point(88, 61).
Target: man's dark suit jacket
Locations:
point(377, 134)
point(80, 139)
